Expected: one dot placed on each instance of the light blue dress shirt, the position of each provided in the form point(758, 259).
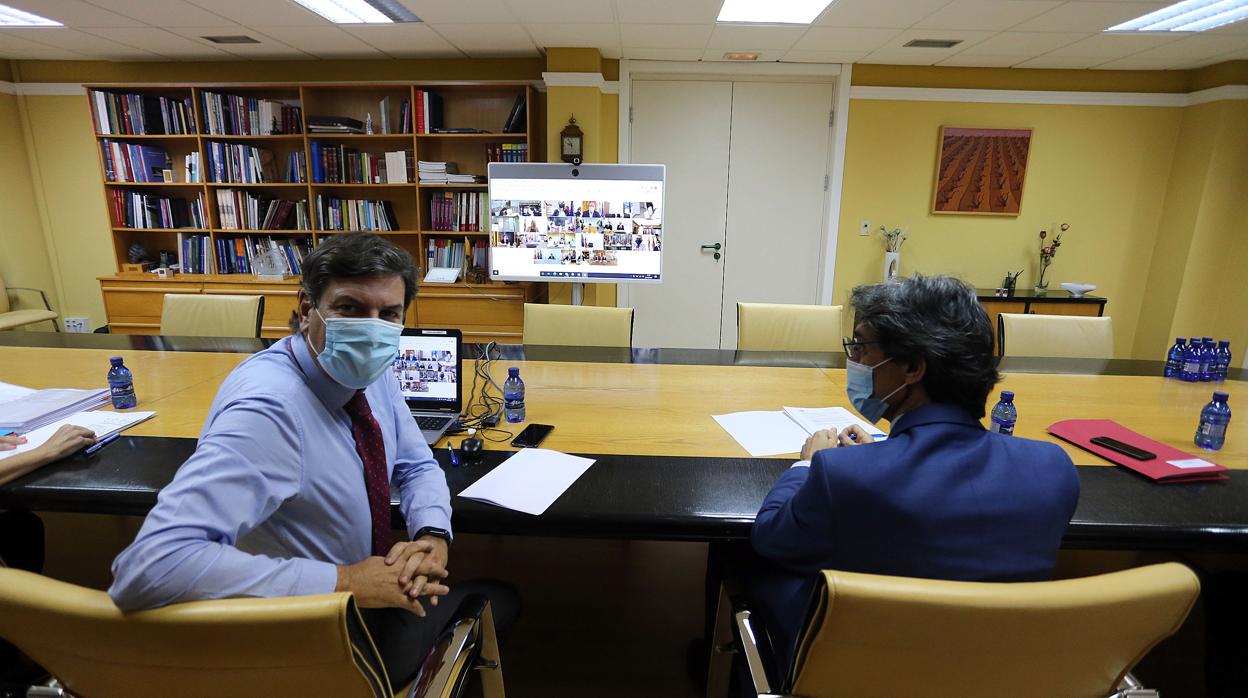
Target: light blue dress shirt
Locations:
point(273, 498)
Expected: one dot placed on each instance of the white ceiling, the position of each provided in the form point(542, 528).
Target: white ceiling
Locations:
point(1000, 33)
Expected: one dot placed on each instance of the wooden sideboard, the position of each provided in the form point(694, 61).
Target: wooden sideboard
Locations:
point(484, 312)
point(1030, 302)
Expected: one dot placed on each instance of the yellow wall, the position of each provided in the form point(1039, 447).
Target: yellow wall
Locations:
point(24, 259)
point(1104, 170)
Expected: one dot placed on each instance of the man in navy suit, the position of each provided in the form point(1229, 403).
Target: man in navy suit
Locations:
point(941, 498)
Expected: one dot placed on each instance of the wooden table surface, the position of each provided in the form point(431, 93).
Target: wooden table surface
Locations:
point(660, 409)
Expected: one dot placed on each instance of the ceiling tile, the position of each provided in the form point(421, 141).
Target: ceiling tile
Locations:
point(1137, 63)
point(89, 44)
point(1195, 48)
point(166, 13)
point(965, 60)
point(824, 56)
point(844, 39)
point(668, 12)
point(1239, 28)
point(13, 45)
point(895, 58)
point(666, 35)
point(322, 42)
point(74, 13)
point(1028, 44)
point(159, 41)
point(984, 14)
point(663, 54)
point(1087, 16)
point(405, 40)
point(889, 14)
point(264, 13)
point(743, 38)
point(1110, 46)
point(576, 35)
point(563, 12)
point(485, 40)
point(1064, 62)
point(716, 55)
point(461, 11)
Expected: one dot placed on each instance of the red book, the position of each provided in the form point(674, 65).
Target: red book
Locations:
point(420, 111)
point(1170, 466)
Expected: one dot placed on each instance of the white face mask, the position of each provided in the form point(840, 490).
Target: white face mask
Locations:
point(357, 350)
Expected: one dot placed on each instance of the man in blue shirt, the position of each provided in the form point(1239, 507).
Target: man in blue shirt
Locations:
point(288, 491)
point(941, 498)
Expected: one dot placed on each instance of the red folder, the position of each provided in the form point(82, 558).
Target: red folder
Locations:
point(1080, 432)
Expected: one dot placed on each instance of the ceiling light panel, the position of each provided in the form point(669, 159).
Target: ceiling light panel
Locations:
point(772, 11)
point(13, 17)
point(360, 11)
point(1187, 16)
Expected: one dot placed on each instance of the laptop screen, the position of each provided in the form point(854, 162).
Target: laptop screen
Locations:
point(427, 368)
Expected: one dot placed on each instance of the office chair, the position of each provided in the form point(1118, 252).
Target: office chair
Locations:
point(785, 327)
point(1060, 336)
point(194, 315)
point(871, 636)
point(577, 325)
point(11, 319)
point(292, 646)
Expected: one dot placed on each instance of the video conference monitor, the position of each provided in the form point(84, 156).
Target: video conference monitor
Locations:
point(582, 223)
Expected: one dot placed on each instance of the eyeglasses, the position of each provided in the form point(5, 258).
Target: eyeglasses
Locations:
point(853, 347)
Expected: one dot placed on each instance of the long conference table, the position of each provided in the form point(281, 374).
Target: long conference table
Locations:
point(665, 470)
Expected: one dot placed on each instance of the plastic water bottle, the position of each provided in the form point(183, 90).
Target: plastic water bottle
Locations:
point(513, 396)
point(121, 385)
point(1207, 357)
point(1174, 358)
point(1004, 415)
point(1191, 361)
point(1223, 364)
point(1211, 433)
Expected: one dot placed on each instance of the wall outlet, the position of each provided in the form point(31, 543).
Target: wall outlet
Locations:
point(77, 324)
point(865, 230)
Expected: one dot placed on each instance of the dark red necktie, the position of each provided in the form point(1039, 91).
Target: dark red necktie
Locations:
point(372, 450)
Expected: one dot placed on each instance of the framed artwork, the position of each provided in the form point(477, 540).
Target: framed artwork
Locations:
point(981, 171)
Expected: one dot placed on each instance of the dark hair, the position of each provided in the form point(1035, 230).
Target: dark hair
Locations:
point(939, 319)
point(353, 255)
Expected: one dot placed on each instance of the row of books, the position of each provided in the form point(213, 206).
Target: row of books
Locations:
point(134, 162)
point(141, 115)
point(338, 164)
point(238, 255)
point(134, 209)
point(441, 252)
point(355, 214)
point(480, 254)
point(428, 111)
point(237, 115)
point(241, 164)
point(195, 254)
point(462, 211)
point(243, 210)
point(507, 152)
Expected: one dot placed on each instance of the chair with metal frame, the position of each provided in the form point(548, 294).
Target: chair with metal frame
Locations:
point(870, 636)
point(11, 319)
point(299, 645)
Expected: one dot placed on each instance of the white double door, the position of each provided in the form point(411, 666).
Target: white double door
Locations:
point(747, 171)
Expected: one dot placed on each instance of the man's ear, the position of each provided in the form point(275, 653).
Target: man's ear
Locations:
point(916, 368)
point(305, 309)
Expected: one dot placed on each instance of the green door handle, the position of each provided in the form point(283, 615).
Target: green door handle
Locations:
point(716, 246)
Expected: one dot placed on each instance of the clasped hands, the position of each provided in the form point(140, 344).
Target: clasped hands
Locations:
point(852, 435)
point(408, 571)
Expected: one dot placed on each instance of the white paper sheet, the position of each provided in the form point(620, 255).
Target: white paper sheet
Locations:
point(764, 433)
point(813, 419)
point(1192, 463)
point(530, 481)
point(104, 424)
point(8, 391)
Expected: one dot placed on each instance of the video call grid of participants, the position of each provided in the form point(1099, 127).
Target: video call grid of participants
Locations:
point(577, 232)
point(417, 369)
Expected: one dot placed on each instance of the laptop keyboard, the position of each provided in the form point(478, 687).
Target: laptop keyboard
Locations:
point(432, 423)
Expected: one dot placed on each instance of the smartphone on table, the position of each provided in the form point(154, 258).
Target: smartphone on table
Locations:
point(531, 436)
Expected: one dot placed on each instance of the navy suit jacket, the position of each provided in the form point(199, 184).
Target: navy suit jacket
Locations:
point(941, 498)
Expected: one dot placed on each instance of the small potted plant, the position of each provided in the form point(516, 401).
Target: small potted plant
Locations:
point(1047, 252)
point(893, 240)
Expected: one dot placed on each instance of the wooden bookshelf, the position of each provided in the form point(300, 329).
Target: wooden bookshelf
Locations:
point(465, 105)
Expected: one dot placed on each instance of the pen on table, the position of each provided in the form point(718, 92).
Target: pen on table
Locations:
point(102, 443)
point(454, 456)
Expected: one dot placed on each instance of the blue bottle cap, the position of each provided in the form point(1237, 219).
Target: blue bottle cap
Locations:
point(1007, 395)
point(115, 360)
point(1224, 342)
point(1220, 396)
point(1208, 339)
point(1180, 340)
point(513, 372)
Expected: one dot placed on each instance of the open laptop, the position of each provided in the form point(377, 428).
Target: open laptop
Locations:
point(429, 376)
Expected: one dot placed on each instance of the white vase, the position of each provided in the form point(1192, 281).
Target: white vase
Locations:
point(892, 265)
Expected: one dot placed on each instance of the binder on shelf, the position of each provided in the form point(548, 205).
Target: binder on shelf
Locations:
point(517, 120)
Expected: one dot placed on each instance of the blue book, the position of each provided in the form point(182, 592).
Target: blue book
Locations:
point(318, 173)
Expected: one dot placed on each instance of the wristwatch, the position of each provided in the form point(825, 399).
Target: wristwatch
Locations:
point(435, 532)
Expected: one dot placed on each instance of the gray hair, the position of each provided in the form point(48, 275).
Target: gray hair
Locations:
point(354, 255)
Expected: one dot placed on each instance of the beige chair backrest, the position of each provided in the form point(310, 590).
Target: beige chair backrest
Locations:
point(577, 325)
point(194, 315)
point(784, 327)
point(872, 635)
point(1061, 336)
point(294, 646)
point(4, 297)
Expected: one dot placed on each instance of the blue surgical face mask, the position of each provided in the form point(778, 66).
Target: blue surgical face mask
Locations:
point(357, 350)
point(860, 385)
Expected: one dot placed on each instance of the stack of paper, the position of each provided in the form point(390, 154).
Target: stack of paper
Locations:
point(530, 481)
point(104, 424)
point(431, 172)
point(786, 431)
point(29, 411)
